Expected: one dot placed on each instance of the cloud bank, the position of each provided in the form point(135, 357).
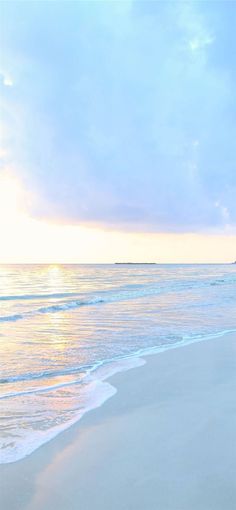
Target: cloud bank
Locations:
point(122, 114)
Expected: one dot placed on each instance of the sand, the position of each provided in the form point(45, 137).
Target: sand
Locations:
point(165, 441)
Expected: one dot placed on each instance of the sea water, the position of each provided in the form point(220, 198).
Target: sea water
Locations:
point(64, 329)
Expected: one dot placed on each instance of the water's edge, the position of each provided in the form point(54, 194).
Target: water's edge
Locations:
point(102, 390)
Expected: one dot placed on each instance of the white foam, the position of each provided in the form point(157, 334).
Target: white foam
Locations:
point(98, 391)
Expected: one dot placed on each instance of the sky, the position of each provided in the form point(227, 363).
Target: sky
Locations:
point(118, 129)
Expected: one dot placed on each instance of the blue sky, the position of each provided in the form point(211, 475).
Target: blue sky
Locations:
point(122, 114)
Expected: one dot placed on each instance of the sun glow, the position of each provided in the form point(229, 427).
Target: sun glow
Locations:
point(28, 240)
point(11, 199)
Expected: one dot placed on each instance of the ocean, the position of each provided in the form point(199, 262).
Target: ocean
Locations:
point(65, 328)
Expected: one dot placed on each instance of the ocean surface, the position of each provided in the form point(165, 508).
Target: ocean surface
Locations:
point(65, 328)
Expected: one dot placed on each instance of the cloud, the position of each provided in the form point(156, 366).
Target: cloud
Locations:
point(198, 43)
point(7, 81)
point(123, 113)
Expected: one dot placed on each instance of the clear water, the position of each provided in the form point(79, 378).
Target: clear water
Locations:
point(64, 329)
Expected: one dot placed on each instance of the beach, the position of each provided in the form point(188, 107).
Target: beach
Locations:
point(118, 255)
point(165, 440)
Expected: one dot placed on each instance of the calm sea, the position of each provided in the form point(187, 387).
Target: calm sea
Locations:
point(65, 328)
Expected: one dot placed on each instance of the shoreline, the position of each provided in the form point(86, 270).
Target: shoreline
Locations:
point(103, 390)
point(76, 469)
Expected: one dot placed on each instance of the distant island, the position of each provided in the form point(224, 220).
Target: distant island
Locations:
point(137, 263)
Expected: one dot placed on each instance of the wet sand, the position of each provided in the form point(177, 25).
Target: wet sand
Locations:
point(165, 441)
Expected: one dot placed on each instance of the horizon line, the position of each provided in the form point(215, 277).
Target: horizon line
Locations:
point(111, 263)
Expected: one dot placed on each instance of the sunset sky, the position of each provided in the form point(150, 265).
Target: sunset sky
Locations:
point(118, 129)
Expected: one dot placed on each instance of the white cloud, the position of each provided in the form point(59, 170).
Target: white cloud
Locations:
point(142, 134)
point(224, 211)
point(6, 80)
point(200, 42)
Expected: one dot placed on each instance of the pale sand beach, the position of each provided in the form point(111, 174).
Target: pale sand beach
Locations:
point(165, 441)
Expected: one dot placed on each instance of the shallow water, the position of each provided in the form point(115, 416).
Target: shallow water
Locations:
point(64, 329)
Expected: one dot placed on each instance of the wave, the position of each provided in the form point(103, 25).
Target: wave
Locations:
point(47, 374)
point(109, 297)
point(51, 309)
point(99, 391)
point(70, 305)
point(89, 369)
point(28, 442)
point(28, 297)
point(9, 318)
